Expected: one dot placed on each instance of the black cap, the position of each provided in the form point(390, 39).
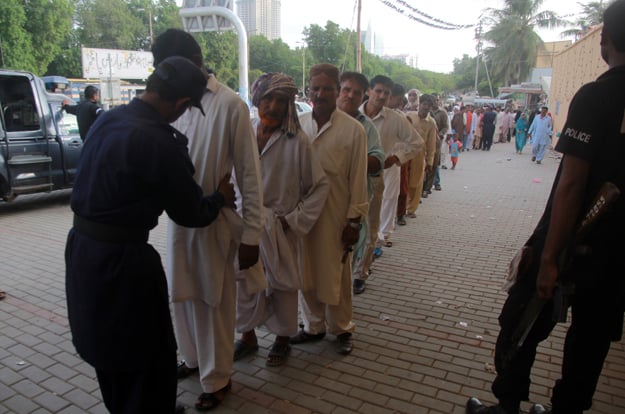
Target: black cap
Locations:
point(183, 77)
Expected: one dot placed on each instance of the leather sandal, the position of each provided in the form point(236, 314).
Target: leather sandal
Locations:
point(210, 400)
point(278, 354)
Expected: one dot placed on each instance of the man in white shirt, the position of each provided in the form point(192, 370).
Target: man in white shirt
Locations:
point(201, 262)
point(400, 142)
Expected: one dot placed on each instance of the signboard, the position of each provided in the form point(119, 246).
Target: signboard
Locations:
point(116, 64)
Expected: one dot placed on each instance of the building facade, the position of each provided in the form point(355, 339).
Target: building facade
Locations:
point(573, 67)
point(260, 17)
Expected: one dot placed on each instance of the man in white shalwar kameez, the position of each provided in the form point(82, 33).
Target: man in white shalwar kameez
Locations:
point(400, 142)
point(201, 262)
point(341, 146)
point(295, 189)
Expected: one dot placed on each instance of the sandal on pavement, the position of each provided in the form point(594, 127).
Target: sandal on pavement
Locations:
point(243, 349)
point(388, 243)
point(210, 400)
point(278, 354)
point(302, 337)
point(3, 294)
point(183, 371)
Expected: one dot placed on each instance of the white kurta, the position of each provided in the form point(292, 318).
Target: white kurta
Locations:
point(341, 147)
point(219, 141)
point(294, 186)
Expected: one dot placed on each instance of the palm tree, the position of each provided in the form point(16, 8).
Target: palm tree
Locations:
point(591, 15)
point(513, 37)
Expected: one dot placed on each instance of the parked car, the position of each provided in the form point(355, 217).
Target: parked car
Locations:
point(39, 142)
point(302, 107)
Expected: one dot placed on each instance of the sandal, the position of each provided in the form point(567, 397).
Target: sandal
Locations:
point(183, 371)
point(388, 243)
point(242, 349)
point(210, 400)
point(277, 354)
point(3, 294)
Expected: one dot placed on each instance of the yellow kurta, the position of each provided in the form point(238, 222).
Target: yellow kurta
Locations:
point(341, 147)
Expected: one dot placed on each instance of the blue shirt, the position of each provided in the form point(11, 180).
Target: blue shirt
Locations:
point(541, 129)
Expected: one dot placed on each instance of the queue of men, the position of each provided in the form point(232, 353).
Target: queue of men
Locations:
point(310, 191)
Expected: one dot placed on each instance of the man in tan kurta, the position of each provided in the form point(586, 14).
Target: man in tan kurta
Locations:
point(340, 144)
point(423, 163)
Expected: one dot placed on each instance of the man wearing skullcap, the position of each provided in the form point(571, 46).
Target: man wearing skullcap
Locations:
point(340, 143)
point(413, 101)
point(295, 189)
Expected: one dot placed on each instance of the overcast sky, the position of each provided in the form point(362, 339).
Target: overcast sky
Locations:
point(435, 48)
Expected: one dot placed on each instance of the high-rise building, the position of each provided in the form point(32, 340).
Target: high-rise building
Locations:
point(260, 17)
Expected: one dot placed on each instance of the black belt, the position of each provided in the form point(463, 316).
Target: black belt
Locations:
point(110, 232)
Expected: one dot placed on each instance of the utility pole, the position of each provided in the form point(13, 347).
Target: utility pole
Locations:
point(358, 43)
point(478, 48)
point(150, 25)
point(303, 69)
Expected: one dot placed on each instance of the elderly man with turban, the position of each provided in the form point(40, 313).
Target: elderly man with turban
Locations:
point(340, 142)
point(295, 189)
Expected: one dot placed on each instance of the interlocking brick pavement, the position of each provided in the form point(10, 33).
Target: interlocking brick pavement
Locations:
point(426, 325)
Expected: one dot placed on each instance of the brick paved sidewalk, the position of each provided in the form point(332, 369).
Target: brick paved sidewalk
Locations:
point(426, 325)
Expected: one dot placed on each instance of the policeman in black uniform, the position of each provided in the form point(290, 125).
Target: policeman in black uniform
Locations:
point(87, 111)
point(593, 144)
point(133, 167)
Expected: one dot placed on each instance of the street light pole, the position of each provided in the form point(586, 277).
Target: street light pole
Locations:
point(150, 25)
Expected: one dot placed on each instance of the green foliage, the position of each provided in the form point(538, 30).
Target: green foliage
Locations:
point(514, 40)
point(31, 32)
point(46, 37)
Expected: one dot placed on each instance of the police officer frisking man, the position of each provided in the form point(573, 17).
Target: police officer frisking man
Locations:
point(593, 141)
point(133, 167)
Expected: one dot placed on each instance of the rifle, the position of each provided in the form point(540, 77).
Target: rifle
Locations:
point(606, 196)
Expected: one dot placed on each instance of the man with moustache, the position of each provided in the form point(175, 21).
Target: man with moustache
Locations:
point(295, 189)
point(352, 91)
point(400, 142)
point(340, 143)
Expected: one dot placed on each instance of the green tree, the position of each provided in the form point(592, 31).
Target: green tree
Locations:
point(514, 39)
point(31, 32)
point(221, 54)
point(592, 14)
point(109, 24)
point(326, 44)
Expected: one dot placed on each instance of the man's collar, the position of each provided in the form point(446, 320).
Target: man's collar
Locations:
point(212, 84)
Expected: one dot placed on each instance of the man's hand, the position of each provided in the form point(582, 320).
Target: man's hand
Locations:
point(428, 169)
point(390, 161)
point(350, 235)
point(248, 256)
point(226, 188)
point(546, 280)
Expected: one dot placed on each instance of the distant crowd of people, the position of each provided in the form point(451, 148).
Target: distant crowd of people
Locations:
point(286, 213)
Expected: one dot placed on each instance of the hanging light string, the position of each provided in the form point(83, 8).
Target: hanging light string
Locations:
point(400, 7)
